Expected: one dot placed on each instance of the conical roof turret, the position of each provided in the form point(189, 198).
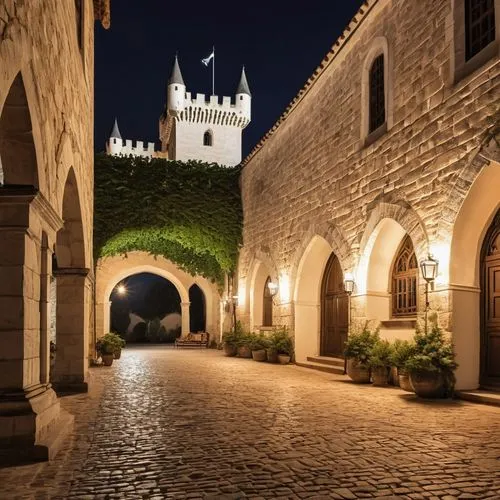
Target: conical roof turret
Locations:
point(243, 85)
point(116, 131)
point(176, 75)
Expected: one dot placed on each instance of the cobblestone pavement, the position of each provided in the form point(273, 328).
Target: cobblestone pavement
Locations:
point(165, 423)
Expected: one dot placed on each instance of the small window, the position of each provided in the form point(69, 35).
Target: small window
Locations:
point(241, 98)
point(405, 281)
point(267, 306)
point(377, 94)
point(175, 87)
point(207, 138)
point(79, 4)
point(479, 26)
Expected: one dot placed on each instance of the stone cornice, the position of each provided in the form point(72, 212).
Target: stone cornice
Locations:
point(71, 271)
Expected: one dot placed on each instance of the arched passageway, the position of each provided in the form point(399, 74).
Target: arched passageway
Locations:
point(146, 308)
point(197, 309)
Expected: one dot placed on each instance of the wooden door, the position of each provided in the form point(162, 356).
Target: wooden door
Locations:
point(334, 312)
point(490, 369)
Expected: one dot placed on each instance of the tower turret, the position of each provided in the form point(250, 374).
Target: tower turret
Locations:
point(244, 97)
point(176, 89)
point(115, 144)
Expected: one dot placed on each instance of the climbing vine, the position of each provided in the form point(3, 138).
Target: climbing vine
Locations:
point(189, 212)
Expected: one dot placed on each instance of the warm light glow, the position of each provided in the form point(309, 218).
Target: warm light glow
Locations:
point(284, 287)
point(273, 288)
point(121, 290)
point(241, 293)
point(349, 283)
point(441, 252)
point(429, 269)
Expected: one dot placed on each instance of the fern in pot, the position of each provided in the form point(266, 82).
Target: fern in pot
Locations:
point(402, 351)
point(379, 361)
point(357, 350)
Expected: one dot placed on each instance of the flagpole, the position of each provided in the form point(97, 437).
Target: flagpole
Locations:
point(213, 71)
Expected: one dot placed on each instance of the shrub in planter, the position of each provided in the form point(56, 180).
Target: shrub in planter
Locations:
point(357, 351)
point(402, 350)
point(106, 347)
point(244, 343)
point(379, 360)
point(258, 345)
point(120, 344)
point(432, 364)
point(231, 339)
point(281, 342)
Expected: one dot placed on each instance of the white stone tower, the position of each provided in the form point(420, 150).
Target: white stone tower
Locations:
point(201, 129)
point(115, 143)
point(117, 146)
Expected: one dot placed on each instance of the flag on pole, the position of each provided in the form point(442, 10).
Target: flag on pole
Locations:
point(208, 59)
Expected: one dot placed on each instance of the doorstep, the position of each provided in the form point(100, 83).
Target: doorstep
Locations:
point(324, 364)
point(480, 396)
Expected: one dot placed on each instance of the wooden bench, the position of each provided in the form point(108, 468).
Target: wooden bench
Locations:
point(200, 339)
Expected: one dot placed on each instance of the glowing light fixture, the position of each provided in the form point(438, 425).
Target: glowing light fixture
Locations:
point(349, 283)
point(121, 290)
point(273, 288)
point(429, 269)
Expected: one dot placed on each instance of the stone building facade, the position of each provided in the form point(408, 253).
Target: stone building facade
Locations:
point(390, 153)
point(46, 204)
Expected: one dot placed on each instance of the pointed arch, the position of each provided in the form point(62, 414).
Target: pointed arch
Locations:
point(208, 138)
point(18, 161)
point(197, 309)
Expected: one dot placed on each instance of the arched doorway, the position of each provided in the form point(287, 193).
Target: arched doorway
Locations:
point(267, 305)
point(334, 310)
point(490, 306)
point(197, 309)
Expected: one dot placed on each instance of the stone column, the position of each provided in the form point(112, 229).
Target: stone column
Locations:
point(70, 370)
point(185, 318)
point(29, 410)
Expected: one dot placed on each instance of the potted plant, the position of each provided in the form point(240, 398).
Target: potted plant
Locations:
point(432, 364)
point(402, 350)
point(357, 351)
point(105, 347)
point(230, 342)
point(119, 345)
point(281, 343)
point(379, 361)
point(258, 346)
point(244, 342)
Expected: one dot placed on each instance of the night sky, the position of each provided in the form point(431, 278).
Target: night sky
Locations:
point(279, 43)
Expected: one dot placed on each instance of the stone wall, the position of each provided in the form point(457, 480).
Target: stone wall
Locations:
point(317, 175)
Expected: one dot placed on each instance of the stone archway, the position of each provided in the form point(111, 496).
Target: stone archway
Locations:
point(258, 278)
point(111, 270)
point(73, 290)
point(197, 309)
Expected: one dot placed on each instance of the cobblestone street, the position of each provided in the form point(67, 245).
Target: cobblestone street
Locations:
point(165, 423)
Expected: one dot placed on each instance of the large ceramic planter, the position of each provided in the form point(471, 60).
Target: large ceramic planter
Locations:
point(428, 384)
point(380, 376)
point(259, 355)
point(393, 376)
point(230, 350)
point(284, 359)
point(107, 359)
point(272, 355)
point(244, 352)
point(117, 354)
point(404, 381)
point(360, 374)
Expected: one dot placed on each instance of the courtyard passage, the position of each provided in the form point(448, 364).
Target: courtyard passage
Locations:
point(166, 423)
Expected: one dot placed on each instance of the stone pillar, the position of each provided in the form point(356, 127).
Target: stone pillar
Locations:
point(30, 418)
point(185, 318)
point(71, 366)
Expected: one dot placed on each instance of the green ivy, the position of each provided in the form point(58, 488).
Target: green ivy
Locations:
point(189, 212)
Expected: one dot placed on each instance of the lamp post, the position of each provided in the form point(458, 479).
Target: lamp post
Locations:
point(234, 304)
point(273, 289)
point(429, 269)
point(349, 288)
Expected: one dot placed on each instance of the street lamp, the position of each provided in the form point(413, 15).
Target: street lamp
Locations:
point(429, 269)
point(349, 288)
point(273, 288)
point(349, 283)
point(121, 290)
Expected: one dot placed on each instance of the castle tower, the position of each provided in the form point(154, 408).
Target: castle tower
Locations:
point(115, 143)
point(197, 128)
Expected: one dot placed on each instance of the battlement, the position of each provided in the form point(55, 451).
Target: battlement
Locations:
point(126, 147)
point(212, 102)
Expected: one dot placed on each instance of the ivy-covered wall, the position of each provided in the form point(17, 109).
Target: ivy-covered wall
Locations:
point(188, 212)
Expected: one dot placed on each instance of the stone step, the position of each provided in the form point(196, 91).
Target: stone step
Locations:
point(339, 370)
point(480, 396)
point(327, 360)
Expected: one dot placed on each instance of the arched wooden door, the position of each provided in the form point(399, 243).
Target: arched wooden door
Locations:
point(334, 312)
point(490, 306)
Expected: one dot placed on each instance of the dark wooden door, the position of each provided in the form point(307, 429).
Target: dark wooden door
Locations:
point(334, 312)
point(490, 369)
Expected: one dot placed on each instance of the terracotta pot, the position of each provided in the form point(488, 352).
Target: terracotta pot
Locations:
point(107, 359)
point(117, 354)
point(284, 359)
point(259, 355)
point(428, 384)
point(404, 381)
point(393, 376)
point(272, 355)
point(244, 352)
point(230, 350)
point(358, 373)
point(380, 376)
